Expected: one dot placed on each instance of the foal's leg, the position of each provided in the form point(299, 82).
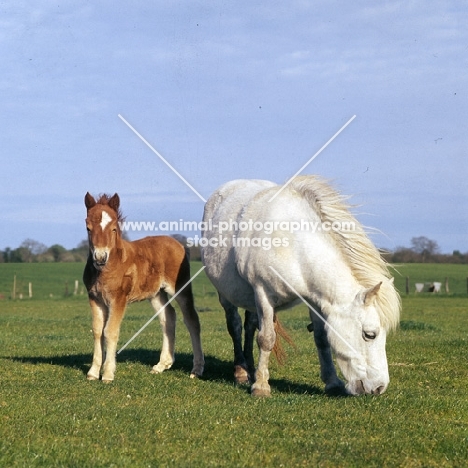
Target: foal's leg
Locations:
point(234, 326)
point(333, 385)
point(99, 313)
point(111, 337)
point(250, 327)
point(266, 340)
point(167, 319)
point(192, 322)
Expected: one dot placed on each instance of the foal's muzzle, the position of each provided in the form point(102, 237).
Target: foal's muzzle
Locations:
point(100, 258)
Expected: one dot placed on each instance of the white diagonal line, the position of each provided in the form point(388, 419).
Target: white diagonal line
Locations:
point(161, 309)
point(312, 158)
point(311, 308)
point(181, 177)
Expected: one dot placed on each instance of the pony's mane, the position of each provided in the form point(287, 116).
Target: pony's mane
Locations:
point(103, 199)
point(364, 259)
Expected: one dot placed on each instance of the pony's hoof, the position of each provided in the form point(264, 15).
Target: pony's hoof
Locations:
point(336, 390)
point(241, 376)
point(107, 381)
point(260, 392)
point(92, 377)
point(196, 372)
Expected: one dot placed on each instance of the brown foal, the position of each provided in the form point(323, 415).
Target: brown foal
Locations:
point(119, 272)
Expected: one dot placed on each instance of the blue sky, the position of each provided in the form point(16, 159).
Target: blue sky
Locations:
point(227, 90)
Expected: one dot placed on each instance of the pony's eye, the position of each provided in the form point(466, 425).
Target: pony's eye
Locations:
point(370, 335)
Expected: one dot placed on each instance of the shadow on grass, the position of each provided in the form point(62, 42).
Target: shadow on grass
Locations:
point(73, 361)
point(289, 387)
point(216, 370)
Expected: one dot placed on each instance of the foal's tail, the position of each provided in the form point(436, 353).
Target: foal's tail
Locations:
point(183, 240)
point(278, 350)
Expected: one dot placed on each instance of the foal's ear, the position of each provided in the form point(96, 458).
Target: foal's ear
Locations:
point(89, 200)
point(371, 293)
point(114, 202)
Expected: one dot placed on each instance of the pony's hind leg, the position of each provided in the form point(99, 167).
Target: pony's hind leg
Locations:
point(167, 319)
point(266, 340)
point(234, 326)
point(192, 322)
point(250, 327)
point(333, 385)
point(99, 313)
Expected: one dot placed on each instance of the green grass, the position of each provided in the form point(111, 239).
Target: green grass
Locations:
point(49, 280)
point(51, 416)
point(428, 273)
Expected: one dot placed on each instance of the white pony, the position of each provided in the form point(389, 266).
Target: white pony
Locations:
point(268, 247)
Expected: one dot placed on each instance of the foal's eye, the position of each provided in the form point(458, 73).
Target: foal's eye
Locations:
point(370, 335)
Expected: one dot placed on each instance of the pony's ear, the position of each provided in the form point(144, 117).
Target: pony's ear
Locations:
point(89, 200)
point(371, 293)
point(114, 202)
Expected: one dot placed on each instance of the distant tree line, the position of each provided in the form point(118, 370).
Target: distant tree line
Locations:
point(31, 251)
point(422, 250)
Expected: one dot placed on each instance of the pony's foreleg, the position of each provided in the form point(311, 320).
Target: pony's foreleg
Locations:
point(333, 385)
point(99, 313)
point(266, 340)
point(111, 337)
point(167, 319)
point(250, 327)
point(192, 322)
point(234, 326)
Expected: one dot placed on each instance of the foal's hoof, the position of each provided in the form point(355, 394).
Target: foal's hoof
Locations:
point(107, 381)
point(92, 377)
point(159, 368)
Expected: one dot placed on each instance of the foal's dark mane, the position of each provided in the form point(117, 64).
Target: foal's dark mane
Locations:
point(103, 199)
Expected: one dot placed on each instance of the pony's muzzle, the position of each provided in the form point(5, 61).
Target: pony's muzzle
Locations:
point(379, 390)
point(359, 388)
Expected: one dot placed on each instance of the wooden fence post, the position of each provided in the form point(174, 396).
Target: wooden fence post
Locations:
point(447, 290)
point(407, 285)
point(14, 286)
point(30, 289)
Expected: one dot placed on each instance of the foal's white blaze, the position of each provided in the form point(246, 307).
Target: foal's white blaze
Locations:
point(105, 220)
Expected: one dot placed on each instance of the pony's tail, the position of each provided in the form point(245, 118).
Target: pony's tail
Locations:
point(278, 350)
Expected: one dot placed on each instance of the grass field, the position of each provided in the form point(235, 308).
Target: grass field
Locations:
point(50, 280)
point(51, 416)
point(429, 272)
